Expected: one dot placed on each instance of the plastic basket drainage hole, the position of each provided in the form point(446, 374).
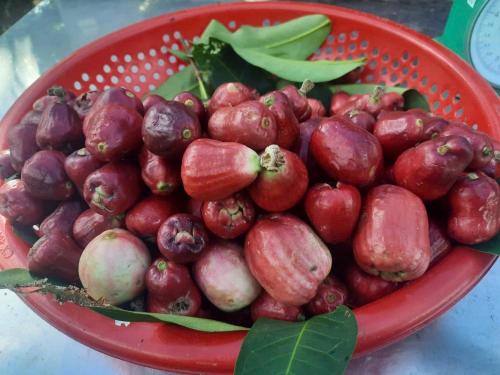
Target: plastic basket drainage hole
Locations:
point(342, 37)
point(447, 109)
point(152, 52)
point(364, 44)
point(85, 77)
point(369, 78)
point(385, 57)
point(166, 38)
point(92, 87)
point(414, 75)
point(99, 78)
point(182, 66)
point(330, 39)
point(414, 62)
point(163, 49)
point(134, 69)
point(232, 24)
point(177, 35)
point(141, 56)
point(175, 46)
point(352, 46)
point(172, 59)
point(156, 76)
point(147, 66)
point(114, 80)
point(340, 49)
point(424, 81)
point(383, 71)
point(106, 68)
point(137, 88)
point(128, 79)
point(434, 88)
point(169, 71)
point(127, 58)
point(161, 62)
point(435, 105)
point(354, 35)
point(77, 85)
point(142, 78)
point(328, 50)
point(459, 113)
point(266, 22)
point(405, 70)
point(405, 55)
point(151, 87)
point(372, 64)
point(121, 69)
point(375, 52)
point(445, 94)
point(457, 98)
point(394, 77)
point(395, 64)
point(114, 58)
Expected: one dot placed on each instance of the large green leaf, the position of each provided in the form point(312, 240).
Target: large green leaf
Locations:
point(492, 246)
point(298, 70)
point(295, 39)
point(184, 80)
point(413, 98)
point(16, 278)
point(321, 345)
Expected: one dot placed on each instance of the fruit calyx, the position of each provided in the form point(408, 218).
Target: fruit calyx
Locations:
point(443, 149)
point(272, 158)
point(472, 176)
point(377, 94)
point(162, 265)
point(58, 91)
point(487, 151)
point(306, 86)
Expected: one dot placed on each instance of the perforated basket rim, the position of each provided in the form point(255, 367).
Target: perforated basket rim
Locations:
point(436, 292)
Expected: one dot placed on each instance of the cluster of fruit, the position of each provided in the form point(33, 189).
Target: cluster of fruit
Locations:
point(220, 195)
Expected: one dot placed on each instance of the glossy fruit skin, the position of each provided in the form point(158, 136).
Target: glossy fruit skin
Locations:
point(250, 123)
point(229, 218)
point(433, 125)
point(84, 102)
point(492, 169)
point(169, 128)
point(287, 258)
point(306, 129)
point(346, 152)
point(192, 102)
point(182, 238)
point(480, 142)
point(440, 243)
point(266, 306)
point(331, 293)
point(161, 176)
point(89, 224)
point(317, 108)
point(287, 123)
point(79, 164)
point(44, 176)
point(397, 131)
point(120, 96)
point(22, 144)
point(392, 238)
point(283, 181)
point(113, 266)
point(298, 101)
point(166, 281)
point(54, 94)
point(373, 103)
point(152, 100)
point(337, 101)
point(31, 117)
point(55, 255)
point(213, 170)
point(430, 169)
point(60, 128)
point(18, 206)
point(230, 94)
point(365, 288)
point(113, 188)
point(188, 304)
point(112, 132)
point(362, 119)
point(146, 217)
point(474, 203)
point(333, 211)
point(6, 169)
point(224, 277)
point(61, 220)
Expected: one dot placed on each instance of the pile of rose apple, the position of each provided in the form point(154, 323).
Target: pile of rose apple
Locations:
point(243, 202)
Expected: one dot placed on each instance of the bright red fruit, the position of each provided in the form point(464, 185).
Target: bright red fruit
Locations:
point(365, 288)
point(331, 293)
point(213, 170)
point(161, 176)
point(440, 243)
point(492, 169)
point(230, 217)
point(373, 103)
point(474, 203)
point(90, 224)
point(431, 168)
point(282, 182)
point(166, 281)
point(230, 94)
point(333, 211)
point(392, 239)
point(346, 152)
point(188, 304)
point(267, 307)
point(250, 123)
point(298, 101)
point(337, 101)
point(287, 123)
point(317, 108)
point(287, 258)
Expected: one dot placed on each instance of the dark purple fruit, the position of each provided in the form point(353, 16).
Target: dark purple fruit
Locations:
point(168, 129)
point(62, 219)
point(6, 169)
point(60, 128)
point(45, 178)
point(84, 102)
point(90, 224)
point(193, 103)
point(79, 165)
point(32, 117)
point(17, 206)
point(22, 144)
point(362, 119)
point(182, 238)
point(120, 96)
point(54, 94)
point(152, 100)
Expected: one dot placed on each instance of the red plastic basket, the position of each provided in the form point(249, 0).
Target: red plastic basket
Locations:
point(136, 57)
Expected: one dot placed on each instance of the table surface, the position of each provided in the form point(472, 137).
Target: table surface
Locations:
point(465, 340)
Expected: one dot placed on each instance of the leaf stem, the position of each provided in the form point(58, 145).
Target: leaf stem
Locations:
point(196, 70)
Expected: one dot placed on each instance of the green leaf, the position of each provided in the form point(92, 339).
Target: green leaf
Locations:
point(321, 345)
point(198, 324)
point(413, 99)
point(218, 64)
point(21, 278)
point(179, 54)
point(492, 246)
point(184, 80)
point(295, 39)
point(298, 70)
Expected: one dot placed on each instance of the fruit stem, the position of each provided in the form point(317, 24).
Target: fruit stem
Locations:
point(58, 91)
point(377, 94)
point(497, 156)
point(443, 149)
point(307, 86)
point(487, 151)
point(272, 158)
point(353, 113)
